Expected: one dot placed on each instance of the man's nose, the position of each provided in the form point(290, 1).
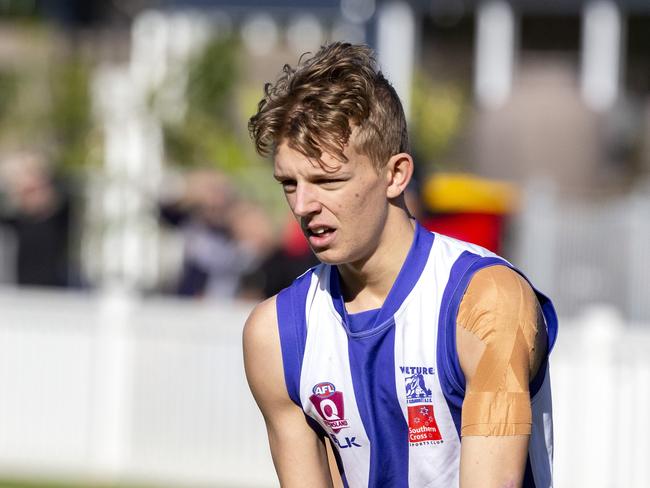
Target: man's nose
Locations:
point(306, 202)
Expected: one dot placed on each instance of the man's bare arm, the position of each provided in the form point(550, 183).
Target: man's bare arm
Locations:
point(298, 454)
point(501, 341)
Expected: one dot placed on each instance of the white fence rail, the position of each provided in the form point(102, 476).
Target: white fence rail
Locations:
point(581, 252)
point(111, 388)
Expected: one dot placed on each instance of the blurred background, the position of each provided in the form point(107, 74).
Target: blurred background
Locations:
point(138, 227)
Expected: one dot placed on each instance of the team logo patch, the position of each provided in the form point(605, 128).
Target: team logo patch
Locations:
point(416, 389)
point(329, 404)
point(422, 424)
point(415, 383)
point(423, 428)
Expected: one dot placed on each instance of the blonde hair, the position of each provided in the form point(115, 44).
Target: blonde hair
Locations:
point(317, 105)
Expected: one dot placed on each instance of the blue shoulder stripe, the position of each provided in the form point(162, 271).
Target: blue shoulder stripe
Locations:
point(452, 379)
point(292, 327)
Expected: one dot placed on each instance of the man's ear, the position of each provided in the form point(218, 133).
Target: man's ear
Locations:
point(399, 171)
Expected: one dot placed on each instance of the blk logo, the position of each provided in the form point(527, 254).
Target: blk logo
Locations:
point(346, 443)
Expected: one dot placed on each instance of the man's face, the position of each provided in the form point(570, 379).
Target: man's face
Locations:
point(342, 210)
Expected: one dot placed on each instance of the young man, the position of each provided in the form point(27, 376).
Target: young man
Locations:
point(421, 358)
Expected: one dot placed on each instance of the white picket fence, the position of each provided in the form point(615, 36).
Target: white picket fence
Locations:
point(114, 388)
point(581, 251)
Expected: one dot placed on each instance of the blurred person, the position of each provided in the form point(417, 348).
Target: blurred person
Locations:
point(423, 359)
point(252, 230)
point(38, 210)
point(281, 266)
point(213, 262)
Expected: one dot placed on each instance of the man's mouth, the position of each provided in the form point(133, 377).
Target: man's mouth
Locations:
point(320, 236)
point(319, 231)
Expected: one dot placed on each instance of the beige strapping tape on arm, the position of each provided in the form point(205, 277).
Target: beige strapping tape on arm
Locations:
point(500, 310)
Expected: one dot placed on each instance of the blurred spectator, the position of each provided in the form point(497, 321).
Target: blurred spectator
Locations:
point(252, 230)
point(37, 208)
point(280, 267)
point(214, 259)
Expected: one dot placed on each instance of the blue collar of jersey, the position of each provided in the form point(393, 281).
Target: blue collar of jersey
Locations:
point(408, 276)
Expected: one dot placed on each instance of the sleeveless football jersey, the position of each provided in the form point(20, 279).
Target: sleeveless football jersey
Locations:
point(389, 396)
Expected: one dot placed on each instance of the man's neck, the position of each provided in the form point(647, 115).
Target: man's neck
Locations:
point(366, 284)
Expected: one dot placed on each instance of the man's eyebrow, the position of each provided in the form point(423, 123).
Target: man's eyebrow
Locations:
point(316, 175)
point(324, 175)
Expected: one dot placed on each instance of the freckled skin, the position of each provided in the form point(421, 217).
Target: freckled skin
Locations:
point(356, 207)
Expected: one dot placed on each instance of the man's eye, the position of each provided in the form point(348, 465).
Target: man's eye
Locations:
point(330, 183)
point(288, 186)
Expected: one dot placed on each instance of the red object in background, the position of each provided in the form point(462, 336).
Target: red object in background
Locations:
point(478, 228)
point(294, 242)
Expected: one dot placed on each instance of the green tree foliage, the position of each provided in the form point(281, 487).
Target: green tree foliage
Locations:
point(70, 111)
point(208, 134)
point(18, 8)
point(8, 86)
point(45, 100)
point(438, 113)
point(213, 129)
point(212, 78)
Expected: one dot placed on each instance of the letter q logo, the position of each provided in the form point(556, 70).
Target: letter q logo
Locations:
point(331, 410)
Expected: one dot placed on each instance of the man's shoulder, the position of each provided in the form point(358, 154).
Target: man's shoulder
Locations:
point(263, 359)
point(264, 309)
point(260, 328)
point(501, 288)
point(500, 304)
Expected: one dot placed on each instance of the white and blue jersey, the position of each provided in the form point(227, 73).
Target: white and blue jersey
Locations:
point(386, 385)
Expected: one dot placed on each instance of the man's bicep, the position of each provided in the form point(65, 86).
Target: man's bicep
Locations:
point(497, 333)
point(493, 461)
point(298, 454)
point(497, 345)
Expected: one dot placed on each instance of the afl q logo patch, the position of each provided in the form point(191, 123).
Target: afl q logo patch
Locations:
point(329, 405)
